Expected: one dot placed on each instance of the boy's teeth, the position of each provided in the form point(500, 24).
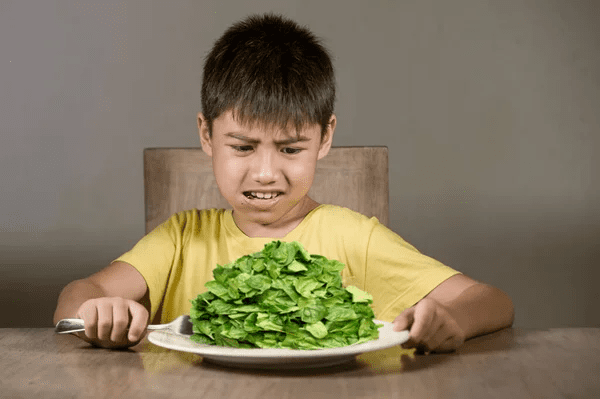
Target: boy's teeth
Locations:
point(263, 195)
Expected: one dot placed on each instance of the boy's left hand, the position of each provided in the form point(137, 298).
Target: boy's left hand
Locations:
point(432, 328)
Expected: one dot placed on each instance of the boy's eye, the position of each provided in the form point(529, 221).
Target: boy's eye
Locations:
point(242, 148)
point(291, 151)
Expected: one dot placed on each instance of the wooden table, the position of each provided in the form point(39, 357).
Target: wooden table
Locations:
point(512, 363)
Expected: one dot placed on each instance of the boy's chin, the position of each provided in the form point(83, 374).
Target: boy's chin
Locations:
point(263, 217)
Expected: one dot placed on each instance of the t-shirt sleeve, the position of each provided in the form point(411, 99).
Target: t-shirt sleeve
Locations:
point(154, 256)
point(397, 274)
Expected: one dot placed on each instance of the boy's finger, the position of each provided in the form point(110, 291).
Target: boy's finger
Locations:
point(139, 321)
point(423, 317)
point(120, 321)
point(438, 335)
point(450, 344)
point(90, 320)
point(436, 332)
point(404, 320)
point(105, 321)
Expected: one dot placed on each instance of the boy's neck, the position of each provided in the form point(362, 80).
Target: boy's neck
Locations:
point(282, 227)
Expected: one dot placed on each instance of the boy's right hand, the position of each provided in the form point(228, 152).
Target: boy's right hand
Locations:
point(113, 322)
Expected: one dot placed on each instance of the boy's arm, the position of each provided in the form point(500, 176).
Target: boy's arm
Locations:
point(458, 309)
point(113, 303)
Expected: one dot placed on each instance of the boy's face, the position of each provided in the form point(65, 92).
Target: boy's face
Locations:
point(264, 174)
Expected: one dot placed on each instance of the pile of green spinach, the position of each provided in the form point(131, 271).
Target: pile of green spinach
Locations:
point(282, 297)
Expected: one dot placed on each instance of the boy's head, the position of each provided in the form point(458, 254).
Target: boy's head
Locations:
point(269, 71)
point(267, 118)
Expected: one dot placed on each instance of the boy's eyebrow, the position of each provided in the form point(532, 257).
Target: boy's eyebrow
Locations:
point(290, 140)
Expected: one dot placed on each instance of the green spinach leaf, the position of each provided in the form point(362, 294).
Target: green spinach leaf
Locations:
point(282, 297)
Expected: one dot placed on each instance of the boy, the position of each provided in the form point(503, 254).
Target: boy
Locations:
point(267, 117)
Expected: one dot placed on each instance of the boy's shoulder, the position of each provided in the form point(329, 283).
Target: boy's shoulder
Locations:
point(190, 218)
point(335, 215)
point(196, 214)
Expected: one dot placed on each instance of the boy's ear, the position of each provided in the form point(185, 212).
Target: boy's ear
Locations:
point(204, 133)
point(327, 138)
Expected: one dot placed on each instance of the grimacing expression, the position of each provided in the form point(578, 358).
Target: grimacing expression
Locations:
point(264, 173)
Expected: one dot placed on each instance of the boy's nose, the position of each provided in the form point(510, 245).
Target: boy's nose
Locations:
point(265, 168)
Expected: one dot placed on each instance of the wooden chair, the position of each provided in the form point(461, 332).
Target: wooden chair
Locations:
point(177, 179)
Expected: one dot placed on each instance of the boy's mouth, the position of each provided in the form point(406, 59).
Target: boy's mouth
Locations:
point(261, 195)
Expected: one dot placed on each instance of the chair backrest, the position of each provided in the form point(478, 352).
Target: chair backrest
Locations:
point(176, 179)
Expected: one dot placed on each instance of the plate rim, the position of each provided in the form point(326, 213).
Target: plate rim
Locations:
point(278, 354)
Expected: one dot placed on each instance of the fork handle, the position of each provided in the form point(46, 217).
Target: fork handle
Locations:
point(157, 326)
point(67, 326)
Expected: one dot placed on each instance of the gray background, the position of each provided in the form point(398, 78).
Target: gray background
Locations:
point(491, 112)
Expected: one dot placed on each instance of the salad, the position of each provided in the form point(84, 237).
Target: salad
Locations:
point(282, 297)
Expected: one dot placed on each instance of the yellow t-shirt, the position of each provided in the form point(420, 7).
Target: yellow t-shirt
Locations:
point(178, 257)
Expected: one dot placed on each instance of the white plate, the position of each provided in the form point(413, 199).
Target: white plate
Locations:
point(278, 358)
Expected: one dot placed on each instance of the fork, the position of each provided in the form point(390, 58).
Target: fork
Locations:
point(180, 325)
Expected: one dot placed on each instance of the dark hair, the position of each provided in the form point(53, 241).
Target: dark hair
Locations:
point(269, 70)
